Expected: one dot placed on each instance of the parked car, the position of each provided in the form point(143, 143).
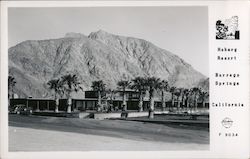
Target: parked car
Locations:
point(26, 111)
point(21, 109)
point(16, 108)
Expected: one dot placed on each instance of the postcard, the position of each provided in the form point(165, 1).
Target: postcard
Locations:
point(125, 79)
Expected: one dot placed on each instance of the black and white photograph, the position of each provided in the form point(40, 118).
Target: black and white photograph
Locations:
point(132, 78)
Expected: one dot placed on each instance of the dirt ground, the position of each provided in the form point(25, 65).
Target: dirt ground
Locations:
point(33, 133)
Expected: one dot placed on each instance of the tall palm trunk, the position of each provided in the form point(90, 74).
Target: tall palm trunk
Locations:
point(178, 103)
point(182, 101)
point(57, 105)
point(69, 102)
point(141, 103)
point(111, 102)
point(151, 109)
point(163, 101)
point(203, 104)
point(10, 96)
point(187, 103)
point(124, 104)
point(172, 100)
point(99, 104)
point(196, 102)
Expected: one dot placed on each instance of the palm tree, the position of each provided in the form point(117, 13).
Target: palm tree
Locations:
point(111, 97)
point(203, 96)
point(139, 84)
point(172, 91)
point(182, 97)
point(100, 87)
point(57, 86)
point(123, 84)
point(196, 91)
point(164, 87)
point(186, 94)
point(11, 85)
point(70, 84)
point(153, 84)
point(178, 93)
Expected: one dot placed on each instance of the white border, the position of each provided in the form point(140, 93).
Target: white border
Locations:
point(93, 154)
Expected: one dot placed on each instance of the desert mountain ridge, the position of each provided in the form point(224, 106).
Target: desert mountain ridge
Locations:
point(98, 56)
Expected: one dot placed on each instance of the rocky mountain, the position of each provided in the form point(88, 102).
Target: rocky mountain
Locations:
point(100, 55)
point(204, 84)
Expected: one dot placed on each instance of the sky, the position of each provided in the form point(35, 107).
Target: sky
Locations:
point(180, 30)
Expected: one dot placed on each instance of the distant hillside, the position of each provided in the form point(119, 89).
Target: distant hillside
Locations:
point(100, 55)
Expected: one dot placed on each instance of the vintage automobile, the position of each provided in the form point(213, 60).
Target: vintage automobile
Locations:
point(21, 109)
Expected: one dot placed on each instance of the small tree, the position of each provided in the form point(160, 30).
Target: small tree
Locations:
point(196, 92)
point(123, 84)
point(100, 87)
point(139, 84)
point(172, 91)
point(186, 94)
point(111, 97)
point(203, 96)
point(164, 87)
point(11, 85)
point(182, 97)
point(153, 84)
point(178, 93)
point(70, 84)
point(57, 86)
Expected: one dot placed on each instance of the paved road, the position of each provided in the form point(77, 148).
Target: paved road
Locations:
point(115, 131)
